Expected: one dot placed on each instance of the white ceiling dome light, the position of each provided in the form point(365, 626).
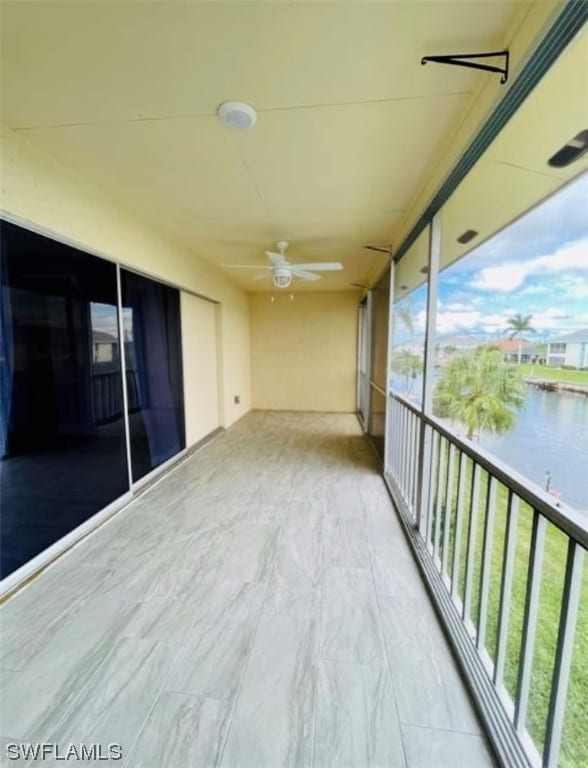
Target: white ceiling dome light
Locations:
point(237, 115)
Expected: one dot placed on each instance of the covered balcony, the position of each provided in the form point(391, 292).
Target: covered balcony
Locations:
point(259, 605)
point(238, 529)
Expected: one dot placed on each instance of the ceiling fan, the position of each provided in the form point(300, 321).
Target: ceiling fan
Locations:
point(282, 271)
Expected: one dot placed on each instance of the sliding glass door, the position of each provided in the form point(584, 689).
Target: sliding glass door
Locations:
point(62, 435)
point(63, 426)
point(151, 327)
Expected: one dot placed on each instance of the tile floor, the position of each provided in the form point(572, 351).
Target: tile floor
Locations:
point(257, 607)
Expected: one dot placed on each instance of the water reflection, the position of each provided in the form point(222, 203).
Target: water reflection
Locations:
point(550, 436)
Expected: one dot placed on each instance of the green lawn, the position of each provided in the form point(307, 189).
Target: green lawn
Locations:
point(574, 752)
point(547, 373)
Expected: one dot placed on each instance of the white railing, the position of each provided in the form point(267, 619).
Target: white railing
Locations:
point(507, 562)
point(107, 399)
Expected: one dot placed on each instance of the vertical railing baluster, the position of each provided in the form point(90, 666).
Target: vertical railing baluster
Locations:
point(395, 438)
point(448, 508)
point(435, 439)
point(406, 452)
point(461, 488)
point(402, 452)
point(563, 654)
point(399, 445)
point(423, 483)
point(471, 550)
point(416, 453)
point(408, 458)
point(510, 544)
point(537, 547)
point(439, 495)
point(489, 519)
point(415, 458)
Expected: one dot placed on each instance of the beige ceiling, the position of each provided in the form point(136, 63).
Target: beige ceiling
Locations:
point(349, 122)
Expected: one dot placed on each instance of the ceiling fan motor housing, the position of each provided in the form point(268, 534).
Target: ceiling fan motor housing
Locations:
point(282, 277)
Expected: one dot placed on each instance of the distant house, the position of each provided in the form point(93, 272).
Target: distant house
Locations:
point(569, 350)
point(510, 349)
point(104, 347)
point(536, 353)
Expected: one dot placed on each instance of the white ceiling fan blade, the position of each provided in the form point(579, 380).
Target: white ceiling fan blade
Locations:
point(328, 266)
point(277, 259)
point(304, 275)
point(245, 266)
point(262, 277)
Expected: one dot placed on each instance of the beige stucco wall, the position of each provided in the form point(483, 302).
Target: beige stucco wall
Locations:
point(303, 352)
point(201, 381)
point(40, 192)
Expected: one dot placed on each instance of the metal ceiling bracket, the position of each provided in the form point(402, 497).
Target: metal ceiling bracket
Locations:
point(460, 60)
point(379, 248)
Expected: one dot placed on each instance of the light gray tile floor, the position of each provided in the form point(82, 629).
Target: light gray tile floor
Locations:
point(258, 607)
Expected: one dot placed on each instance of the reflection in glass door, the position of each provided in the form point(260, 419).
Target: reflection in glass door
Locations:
point(152, 342)
point(65, 451)
point(62, 437)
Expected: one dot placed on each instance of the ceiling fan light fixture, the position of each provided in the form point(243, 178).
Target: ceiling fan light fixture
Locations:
point(237, 115)
point(281, 276)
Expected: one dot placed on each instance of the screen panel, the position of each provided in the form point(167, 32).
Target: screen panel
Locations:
point(379, 357)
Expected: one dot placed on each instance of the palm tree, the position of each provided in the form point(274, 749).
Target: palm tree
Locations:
point(481, 391)
point(519, 325)
point(408, 365)
point(403, 312)
point(405, 362)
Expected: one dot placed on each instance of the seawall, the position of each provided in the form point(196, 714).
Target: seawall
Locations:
point(557, 386)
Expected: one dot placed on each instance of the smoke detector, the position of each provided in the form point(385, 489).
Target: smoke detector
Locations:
point(237, 115)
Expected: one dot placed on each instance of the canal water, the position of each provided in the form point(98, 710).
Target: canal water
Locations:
point(551, 435)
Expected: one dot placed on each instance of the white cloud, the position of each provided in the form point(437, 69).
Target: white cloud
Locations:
point(549, 319)
point(573, 288)
point(448, 322)
point(420, 322)
point(453, 306)
point(508, 277)
point(492, 324)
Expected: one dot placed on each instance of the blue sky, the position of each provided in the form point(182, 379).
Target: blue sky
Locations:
point(537, 266)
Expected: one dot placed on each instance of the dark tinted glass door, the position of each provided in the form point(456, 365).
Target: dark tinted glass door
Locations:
point(151, 321)
point(61, 417)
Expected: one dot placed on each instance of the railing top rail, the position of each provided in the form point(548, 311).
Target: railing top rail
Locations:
point(407, 404)
point(377, 387)
point(571, 521)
